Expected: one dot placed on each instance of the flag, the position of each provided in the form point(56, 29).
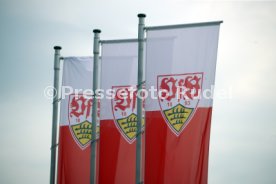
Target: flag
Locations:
point(75, 121)
point(118, 115)
point(180, 65)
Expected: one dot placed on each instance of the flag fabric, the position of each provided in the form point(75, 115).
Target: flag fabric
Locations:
point(75, 121)
point(118, 115)
point(180, 64)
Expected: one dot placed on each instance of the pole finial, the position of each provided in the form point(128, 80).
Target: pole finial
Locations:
point(141, 15)
point(96, 31)
point(57, 47)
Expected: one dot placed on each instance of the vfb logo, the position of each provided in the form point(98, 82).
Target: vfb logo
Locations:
point(178, 98)
point(124, 108)
point(79, 115)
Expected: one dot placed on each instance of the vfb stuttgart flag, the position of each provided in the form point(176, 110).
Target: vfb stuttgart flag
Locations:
point(180, 64)
point(75, 122)
point(118, 112)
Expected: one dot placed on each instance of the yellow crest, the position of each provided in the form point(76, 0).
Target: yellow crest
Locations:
point(82, 132)
point(129, 125)
point(178, 116)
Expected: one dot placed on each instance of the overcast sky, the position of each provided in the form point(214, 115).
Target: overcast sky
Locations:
point(243, 135)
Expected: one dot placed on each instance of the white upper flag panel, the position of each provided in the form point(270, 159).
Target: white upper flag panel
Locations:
point(77, 72)
point(119, 68)
point(77, 78)
point(181, 51)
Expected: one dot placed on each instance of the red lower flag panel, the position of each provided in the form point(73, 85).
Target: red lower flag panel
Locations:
point(182, 159)
point(117, 156)
point(73, 162)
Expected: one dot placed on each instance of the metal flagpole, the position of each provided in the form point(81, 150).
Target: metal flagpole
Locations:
point(55, 114)
point(96, 73)
point(140, 81)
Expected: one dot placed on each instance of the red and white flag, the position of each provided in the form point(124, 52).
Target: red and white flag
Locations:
point(118, 112)
point(181, 63)
point(75, 121)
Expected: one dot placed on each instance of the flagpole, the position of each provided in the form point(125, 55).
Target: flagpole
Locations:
point(96, 73)
point(140, 81)
point(55, 114)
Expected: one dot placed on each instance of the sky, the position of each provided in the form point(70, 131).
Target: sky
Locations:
point(243, 132)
